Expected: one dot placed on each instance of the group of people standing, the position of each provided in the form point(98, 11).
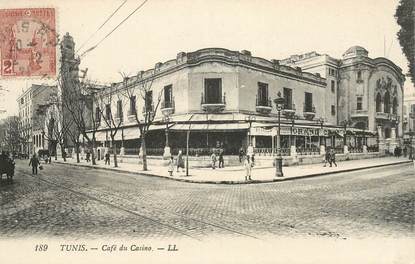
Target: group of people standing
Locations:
point(219, 158)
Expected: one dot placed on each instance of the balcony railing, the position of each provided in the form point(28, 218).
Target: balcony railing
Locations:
point(387, 116)
point(167, 107)
point(263, 105)
point(309, 112)
point(213, 105)
point(289, 110)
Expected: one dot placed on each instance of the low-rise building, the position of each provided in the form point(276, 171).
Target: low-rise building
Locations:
point(224, 99)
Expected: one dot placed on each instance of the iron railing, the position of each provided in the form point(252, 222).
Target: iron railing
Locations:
point(302, 151)
point(220, 100)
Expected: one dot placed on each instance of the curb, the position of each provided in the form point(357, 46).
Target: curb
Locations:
point(233, 182)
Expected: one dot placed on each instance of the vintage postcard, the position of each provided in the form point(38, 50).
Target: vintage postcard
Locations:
point(196, 131)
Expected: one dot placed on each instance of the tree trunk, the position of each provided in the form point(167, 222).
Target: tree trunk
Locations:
point(143, 146)
point(114, 150)
point(77, 152)
point(94, 162)
point(63, 152)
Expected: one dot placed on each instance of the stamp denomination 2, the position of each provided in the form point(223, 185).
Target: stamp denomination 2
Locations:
point(28, 42)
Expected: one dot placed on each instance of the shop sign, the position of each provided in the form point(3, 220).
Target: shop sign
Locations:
point(297, 131)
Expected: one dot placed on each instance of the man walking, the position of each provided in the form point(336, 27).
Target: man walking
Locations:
point(248, 168)
point(327, 158)
point(333, 157)
point(107, 158)
point(34, 161)
point(221, 161)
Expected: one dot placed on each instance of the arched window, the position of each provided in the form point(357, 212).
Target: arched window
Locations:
point(378, 103)
point(395, 106)
point(386, 103)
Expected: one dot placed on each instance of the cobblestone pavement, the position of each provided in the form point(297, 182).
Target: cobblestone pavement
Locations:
point(76, 202)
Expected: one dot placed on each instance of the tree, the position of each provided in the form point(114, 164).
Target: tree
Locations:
point(78, 103)
point(405, 16)
point(113, 123)
point(11, 137)
point(142, 87)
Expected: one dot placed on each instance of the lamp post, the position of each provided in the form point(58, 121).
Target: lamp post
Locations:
point(321, 122)
point(345, 124)
point(167, 153)
point(250, 119)
point(279, 103)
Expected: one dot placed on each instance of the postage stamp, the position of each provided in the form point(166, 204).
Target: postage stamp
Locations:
point(28, 42)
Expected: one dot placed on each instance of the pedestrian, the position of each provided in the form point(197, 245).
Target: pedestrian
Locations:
point(241, 154)
point(327, 158)
point(64, 155)
point(107, 158)
point(50, 159)
point(34, 162)
point(248, 168)
point(213, 160)
point(171, 166)
point(87, 156)
point(180, 161)
point(333, 157)
point(221, 160)
point(405, 151)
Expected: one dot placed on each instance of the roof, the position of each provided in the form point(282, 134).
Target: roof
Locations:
point(356, 51)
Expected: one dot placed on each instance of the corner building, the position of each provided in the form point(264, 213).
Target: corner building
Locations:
point(225, 100)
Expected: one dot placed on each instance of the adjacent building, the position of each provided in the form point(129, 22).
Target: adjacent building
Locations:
point(362, 92)
point(31, 121)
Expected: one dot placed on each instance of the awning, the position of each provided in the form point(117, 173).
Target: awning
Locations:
point(210, 127)
point(131, 133)
point(100, 136)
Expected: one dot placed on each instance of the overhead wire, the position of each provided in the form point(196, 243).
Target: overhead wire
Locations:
point(115, 28)
point(102, 25)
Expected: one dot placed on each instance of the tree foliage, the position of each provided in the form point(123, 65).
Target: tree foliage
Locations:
point(404, 15)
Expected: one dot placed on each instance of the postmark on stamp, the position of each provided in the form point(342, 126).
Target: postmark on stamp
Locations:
point(28, 42)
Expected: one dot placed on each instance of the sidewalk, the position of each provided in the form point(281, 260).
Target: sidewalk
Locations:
point(236, 175)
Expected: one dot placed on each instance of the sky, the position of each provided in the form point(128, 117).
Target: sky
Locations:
point(161, 28)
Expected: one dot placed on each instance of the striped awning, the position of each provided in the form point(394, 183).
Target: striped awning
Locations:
point(210, 127)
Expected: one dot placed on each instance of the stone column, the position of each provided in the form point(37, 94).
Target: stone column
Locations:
point(393, 133)
point(381, 143)
point(322, 150)
point(166, 153)
point(345, 149)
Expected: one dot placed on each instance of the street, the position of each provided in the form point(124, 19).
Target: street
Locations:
point(67, 201)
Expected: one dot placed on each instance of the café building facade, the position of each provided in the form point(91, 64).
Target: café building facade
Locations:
point(223, 99)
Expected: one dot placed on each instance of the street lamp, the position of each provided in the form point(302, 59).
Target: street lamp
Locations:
point(167, 153)
point(279, 103)
point(250, 119)
point(321, 122)
point(345, 124)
